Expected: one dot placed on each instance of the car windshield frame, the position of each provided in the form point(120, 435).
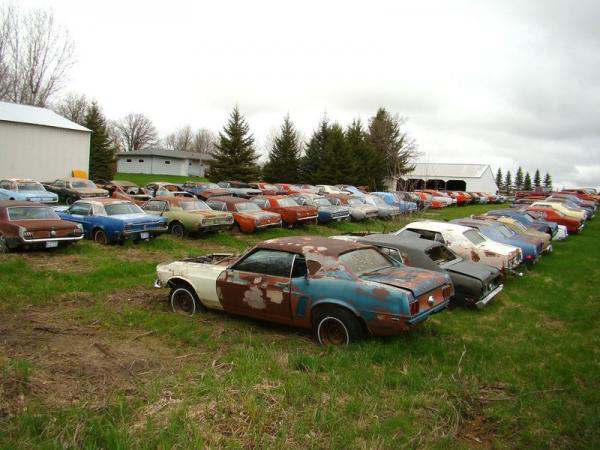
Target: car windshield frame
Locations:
point(121, 208)
point(37, 186)
point(82, 184)
point(284, 202)
point(360, 265)
point(244, 205)
point(50, 213)
point(194, 205)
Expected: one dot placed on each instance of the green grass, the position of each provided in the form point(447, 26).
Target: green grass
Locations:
point(142, 179)
point(524, 372)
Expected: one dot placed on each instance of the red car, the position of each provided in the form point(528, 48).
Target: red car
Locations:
point(267, 189)
point(462, 198)
point(247, 215)
point(290, 211)
point(552, 215)
point(291, 189)
point(583, 194)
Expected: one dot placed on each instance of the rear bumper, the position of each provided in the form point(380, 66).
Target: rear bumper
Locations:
point(15, 242)
point(488, 298)
point(267, 225)
point(425, 314)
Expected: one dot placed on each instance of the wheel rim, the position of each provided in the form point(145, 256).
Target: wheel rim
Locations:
point(100, 237)
point(69, 201)
point(333, 332)
point(177, 230)
point(183, 303)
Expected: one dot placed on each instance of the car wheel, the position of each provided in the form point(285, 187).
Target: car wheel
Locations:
point(69, 200)
point(100, 237)
point(184, 300)
point(336, 326)
point(177, 229)
point(4, 248)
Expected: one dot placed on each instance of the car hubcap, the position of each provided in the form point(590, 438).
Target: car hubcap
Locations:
point(333, 332)
point(183, 303)
point(178, 230)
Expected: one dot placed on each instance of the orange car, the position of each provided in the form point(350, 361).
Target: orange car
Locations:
point(290, 211)
point(428, 200)
point(462, 198)
point(247, 215)
point(267, 188)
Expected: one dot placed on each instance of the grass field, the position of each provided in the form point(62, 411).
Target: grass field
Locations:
point(91, 356)
point(141, 179)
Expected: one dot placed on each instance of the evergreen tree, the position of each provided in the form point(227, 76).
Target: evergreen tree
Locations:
point(365, 169)
point(393, 148)
point(527, 182)
point(537, 179)
point(519, 179)
point(336, 164)
point(234, 157)
point(499, 179)
point(548, 181)
point(312, 159)
point(284, 156)
point(508, 181)
point(101, 153)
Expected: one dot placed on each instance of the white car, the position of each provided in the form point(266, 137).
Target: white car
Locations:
point(468, 243)
point(326, 189)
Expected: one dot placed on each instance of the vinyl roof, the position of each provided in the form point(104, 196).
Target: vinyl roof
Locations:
point(34, 115)
point(432, 170)
point(166, 153)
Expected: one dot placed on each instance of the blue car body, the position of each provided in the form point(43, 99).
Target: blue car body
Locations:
point(15, 190)
point(524, 218)
point(391, 198)
point(351, 189)
point(325, 213)
point(116, 227)
point(531, 251)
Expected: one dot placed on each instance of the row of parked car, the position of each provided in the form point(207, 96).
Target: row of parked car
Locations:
point(345, 287)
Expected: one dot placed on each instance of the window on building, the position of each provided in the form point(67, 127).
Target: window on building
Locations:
point(167, 162)
point(140, 160)
point(128, 160)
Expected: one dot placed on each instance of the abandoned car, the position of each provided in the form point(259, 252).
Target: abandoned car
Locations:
point(240, 189)
point(291, 212)
point(204, 190)
point(69, 190)
point(162, 189)
point(110, 220)
point(356, 207)
point(25, 190)
point(326, 211)
point(248, 216)
point(25, 224)
point(338, 289)
point(127, 190)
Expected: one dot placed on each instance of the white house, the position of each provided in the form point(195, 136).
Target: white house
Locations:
point(163, 162)
point(452, 177)
point(40, 144)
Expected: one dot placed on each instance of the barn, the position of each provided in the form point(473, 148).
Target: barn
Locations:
point(37, 143)
point(161, 161)
point(451, 177)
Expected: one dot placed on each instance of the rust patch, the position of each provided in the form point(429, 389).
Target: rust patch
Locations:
point(474, 256)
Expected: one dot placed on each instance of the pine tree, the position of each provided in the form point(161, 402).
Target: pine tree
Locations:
point(519, 179)
point(527, 182)
point(508, 181)
point(234, 157)
point(365, 169)
point(548, 182)
point(101, 153)
point(537, 179)
point(336, 163)
point(312, 159)
point(499, 179)
point(284, 155)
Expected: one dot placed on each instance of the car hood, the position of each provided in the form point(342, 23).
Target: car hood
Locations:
point(90, 191)
point(474, 270)
point(205, 214)
point(214, 192)
point(137, 218)
point(301, 210)
point(260, 215)
point(35, 194)
point(418, 281)
point(497, 247)
point(247, 191)
point(33, 225)
point(332, 209)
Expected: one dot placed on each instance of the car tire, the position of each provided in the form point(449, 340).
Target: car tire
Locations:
point(334, 326)
point(100, 237)
point(184, 301)
point(69, 200)
point(177, 229)
point(4, 248)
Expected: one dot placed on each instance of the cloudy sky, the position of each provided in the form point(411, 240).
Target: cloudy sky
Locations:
point(505, 83)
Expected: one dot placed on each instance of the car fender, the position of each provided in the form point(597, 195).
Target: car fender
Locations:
point(336, 302)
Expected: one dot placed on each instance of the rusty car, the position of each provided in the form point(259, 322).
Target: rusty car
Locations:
point(340, 290)
point(357, 208)
point(69, 190)
point(165, 189)
point(25, 189)
point(204, 190)
point(248, 216)
point(30, 225)
point(326, 210)
point(291, 212)
point(126, 190)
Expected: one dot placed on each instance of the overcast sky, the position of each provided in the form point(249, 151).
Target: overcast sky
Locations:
point(505, 83)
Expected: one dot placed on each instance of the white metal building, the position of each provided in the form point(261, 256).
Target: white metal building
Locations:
point(163, 162)
point(37, 143)
point(452, 177)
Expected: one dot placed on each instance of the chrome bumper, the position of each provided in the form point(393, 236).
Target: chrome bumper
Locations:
point(485, 300)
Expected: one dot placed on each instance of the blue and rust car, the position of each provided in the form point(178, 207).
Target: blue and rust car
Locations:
point(326, 211)
point(111, 220)
point(339, 289)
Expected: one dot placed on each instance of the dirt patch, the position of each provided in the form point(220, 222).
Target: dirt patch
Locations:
point(68, 363)
point(40, 260)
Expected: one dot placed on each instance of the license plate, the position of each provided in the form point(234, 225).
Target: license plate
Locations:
point(144, 235)
point(51, 244)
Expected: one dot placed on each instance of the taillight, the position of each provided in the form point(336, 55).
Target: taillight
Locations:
point(414, 308)
point(446, 291)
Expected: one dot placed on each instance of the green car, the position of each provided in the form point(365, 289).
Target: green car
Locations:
point(188, 215)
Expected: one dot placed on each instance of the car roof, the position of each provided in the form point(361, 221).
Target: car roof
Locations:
point(315, 245)
point(394, 240)
point(434, 225)
point(73, 179)
point(103, 201)
point(122, 182)
point(7, 203)
point(16, 180)
point(479, 222)
point(173, 199)
point(229, 199)
point(272, 197)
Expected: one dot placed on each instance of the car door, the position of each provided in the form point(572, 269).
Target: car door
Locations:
point(259, 285)
point(81, 213)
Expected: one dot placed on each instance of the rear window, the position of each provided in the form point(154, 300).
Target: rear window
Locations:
point(196, 205)
point(474, 237)
point(364, 261)
point(122, 208)
point(247, 206)
point(30, 186)
point(31, 213)
point(440, 254)
point(286, 202)
point(505, 231)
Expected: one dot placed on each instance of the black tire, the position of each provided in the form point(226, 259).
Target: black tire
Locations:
point(334, 325)
point(4, 248)
point(69, 200)
point(184, 301)
point(100, 237)
point(177, 229)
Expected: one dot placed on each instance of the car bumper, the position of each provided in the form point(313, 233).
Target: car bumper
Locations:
point(302, 219)
point(15, 242)
point(267, 225)
point(425, 314)
point(488, 298)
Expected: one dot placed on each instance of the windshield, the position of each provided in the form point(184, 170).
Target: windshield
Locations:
point(30, 186)
point(31, 213)
point(83, 185)
point(355, 202)
point(364, 261)
point(247, 206)
point(527, 217)
point(322, 202)
point(270, 187)
point(122, 208)
point(194, 205)
point(440, 254)
point(505, 231)
point(519, 226)
point(378, 201)
point(208, 186)
point(287, 202)
point(474, 237)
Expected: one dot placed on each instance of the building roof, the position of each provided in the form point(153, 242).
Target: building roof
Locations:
point(165, 153)
point(34, 115)
point(433, 170)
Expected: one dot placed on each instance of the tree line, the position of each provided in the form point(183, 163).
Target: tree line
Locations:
point(522, 182)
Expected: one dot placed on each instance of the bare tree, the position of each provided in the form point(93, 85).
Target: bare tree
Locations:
point(35, 56)
point(203, 141)
point(73, 106)
point(114, 136)
point(181, 139)
point(136, 132)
